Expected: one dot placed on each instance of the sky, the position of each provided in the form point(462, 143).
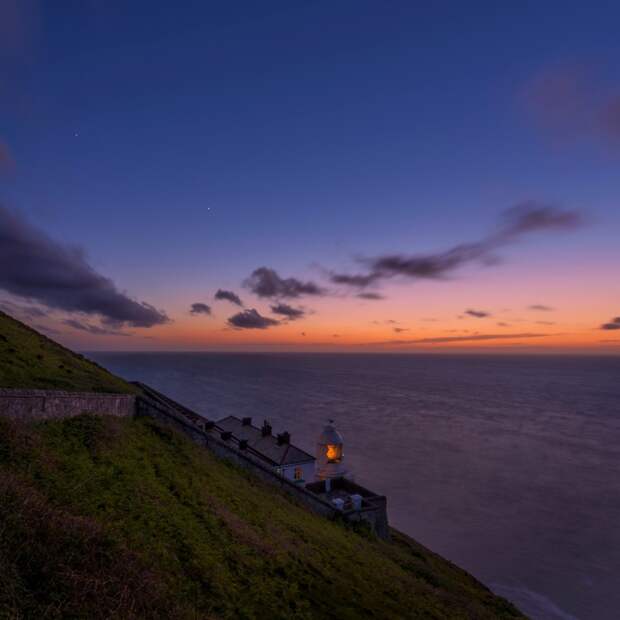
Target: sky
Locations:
point(350, 176)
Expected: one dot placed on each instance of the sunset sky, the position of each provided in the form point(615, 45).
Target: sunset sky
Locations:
point(351, 176)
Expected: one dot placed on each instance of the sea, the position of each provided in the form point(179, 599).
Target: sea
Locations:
point(508, 466)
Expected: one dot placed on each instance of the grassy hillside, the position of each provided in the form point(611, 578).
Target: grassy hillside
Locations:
point(30, 360)
point(120, 518)
point(104, 517)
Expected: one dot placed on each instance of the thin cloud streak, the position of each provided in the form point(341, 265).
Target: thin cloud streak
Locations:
point(520, 220)
point(472, 338)
point(95, 330)
point(478, 314)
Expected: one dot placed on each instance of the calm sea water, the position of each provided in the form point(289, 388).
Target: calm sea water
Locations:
point(508, 466)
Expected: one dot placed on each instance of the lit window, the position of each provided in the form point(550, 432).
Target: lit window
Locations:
point(299, 474)
point(334, 453)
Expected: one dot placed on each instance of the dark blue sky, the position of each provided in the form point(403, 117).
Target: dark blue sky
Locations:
point(185, 144)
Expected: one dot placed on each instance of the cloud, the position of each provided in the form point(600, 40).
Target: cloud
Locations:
point(479, 314)
point(288, 311)
point(228, 296)
point(518, 221)
point(46, 330)
point(545, 322)
point(502, 324)
point(572, 102)
point(541, 308)
point(398, 330)
point(30, 312)
point(370, 296)
point(472, 338)
point(613, 324)
point(358, 280)
point(200, 308)
point(265, 282)
point(93, 329)
point(251, 319)
point(34, 266)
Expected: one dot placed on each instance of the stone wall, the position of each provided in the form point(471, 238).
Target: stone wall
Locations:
point(46, 404)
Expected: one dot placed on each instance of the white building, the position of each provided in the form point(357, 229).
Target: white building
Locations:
point(275, 451)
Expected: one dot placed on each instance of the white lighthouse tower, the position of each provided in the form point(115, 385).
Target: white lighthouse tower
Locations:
point(329, 454)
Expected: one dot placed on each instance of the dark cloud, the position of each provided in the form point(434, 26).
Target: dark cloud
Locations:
point(479, 314)
point(473, 337)
point(370, 296)
point(288, 311)
point(518, 221)
point(251, 319)
point(541, 308)
point(613, 324)
point(265, 282)
point(398, 330)
point(33, 266)
point(200, 308)
point(229, 296)
point(93, 329)
point(359, 280)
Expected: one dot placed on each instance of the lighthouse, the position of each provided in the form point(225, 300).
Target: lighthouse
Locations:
point(329, 454)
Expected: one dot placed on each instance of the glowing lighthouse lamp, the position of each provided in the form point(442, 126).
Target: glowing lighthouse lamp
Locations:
point(329, 454)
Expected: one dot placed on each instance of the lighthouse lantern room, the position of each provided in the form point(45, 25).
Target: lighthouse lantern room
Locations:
point(329, 453)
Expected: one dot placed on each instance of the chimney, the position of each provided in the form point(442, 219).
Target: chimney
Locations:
point(246, 421)
point(284, 438)
point(266, 430)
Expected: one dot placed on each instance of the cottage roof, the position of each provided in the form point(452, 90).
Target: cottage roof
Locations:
point(266, 445)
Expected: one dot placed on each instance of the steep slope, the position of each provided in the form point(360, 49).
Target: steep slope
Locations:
point(30, 360)
point(103, 516)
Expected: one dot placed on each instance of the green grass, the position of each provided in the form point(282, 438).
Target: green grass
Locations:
point(107, 517)
point(30, 360)
point(123, 518)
